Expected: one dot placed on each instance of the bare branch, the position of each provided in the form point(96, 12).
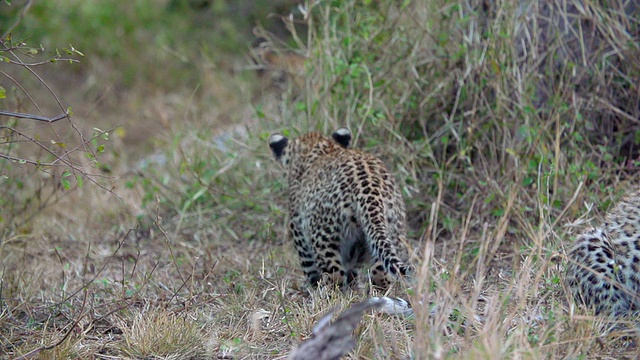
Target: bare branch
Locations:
point(34, 117)
point(45, 62)
point(23, 90)
point(40, 79)
point(31, 162)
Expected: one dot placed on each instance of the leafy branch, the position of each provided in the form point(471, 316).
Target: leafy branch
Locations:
point(54, 147)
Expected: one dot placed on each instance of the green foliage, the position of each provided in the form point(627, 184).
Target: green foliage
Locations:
point(123, 32)
point(146, 40)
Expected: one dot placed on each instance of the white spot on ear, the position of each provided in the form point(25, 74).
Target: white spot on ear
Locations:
point(275, 138)
point(278, 143)
point(343, 137)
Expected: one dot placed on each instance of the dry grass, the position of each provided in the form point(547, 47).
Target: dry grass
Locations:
point(507, 132)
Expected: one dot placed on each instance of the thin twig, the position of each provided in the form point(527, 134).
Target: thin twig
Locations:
point(18, 20)
point(40, 79)
point(68, 162)
point(99, 272)
point(26, 93)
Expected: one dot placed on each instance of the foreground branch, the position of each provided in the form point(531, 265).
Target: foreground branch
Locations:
point(330, 342)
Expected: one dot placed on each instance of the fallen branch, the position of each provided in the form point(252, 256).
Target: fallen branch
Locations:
point(331, 342)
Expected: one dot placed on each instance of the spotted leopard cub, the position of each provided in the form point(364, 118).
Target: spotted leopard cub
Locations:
point(344, 209)
point(604, 263)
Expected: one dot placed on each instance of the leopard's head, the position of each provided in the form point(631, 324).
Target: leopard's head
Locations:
point(297, 154)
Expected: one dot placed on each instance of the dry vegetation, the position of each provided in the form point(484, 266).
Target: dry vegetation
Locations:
point(510, 127)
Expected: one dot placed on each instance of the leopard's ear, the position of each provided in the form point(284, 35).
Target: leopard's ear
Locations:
point(343, 137)
point(278, 143)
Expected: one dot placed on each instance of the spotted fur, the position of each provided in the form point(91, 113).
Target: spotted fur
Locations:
point(603, 272)
point(345, 209)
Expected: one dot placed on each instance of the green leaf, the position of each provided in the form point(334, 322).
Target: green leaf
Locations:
point(259, 112)
point(636, 137)
point(65, 183)
point(80, 181)
point(300, 106)
point(61, 144)
point(3, 93)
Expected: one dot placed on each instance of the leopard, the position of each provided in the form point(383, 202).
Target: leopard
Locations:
point(345, 210)
point(603, 272)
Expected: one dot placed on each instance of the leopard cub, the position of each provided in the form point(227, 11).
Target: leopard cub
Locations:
point(603, 269)
point(345, 209)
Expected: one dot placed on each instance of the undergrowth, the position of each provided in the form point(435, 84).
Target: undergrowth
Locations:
point(509, 127)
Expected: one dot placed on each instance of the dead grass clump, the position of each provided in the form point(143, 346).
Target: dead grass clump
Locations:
point(160, 334)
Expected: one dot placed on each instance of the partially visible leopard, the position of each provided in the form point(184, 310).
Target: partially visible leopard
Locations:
point(604, 263)
point(345, 209)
